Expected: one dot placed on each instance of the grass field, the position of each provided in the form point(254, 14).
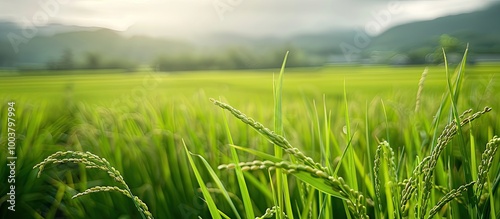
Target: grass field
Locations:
point(140, 122)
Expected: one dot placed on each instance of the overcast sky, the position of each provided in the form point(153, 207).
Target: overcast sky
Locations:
point(249, 17)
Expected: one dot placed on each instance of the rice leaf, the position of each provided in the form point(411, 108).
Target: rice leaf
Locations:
point(206, 194)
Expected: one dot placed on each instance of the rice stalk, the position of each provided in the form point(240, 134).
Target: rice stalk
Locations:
point(384, 151)
point(448, 133)
point(214, 211)
point(281, 180)
point(354, 199)
point(239, 174)
point(270, 135)
point(92, 161)
point(486, 162)
point(270, 212)
point(376, 170)
point(453, 194)
point(410, 186)
point(102, 189)
point(420, 89)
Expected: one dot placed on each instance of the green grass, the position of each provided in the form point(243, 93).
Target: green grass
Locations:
point(143, 137)
point(102, 87)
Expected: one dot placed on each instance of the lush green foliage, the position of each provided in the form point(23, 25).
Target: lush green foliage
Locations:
point(141, 122)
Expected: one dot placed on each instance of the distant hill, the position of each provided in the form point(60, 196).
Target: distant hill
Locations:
point(480, 28)
point(107, 44)
point(48, 30)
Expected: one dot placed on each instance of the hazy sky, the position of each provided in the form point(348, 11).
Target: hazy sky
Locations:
point(250, 17)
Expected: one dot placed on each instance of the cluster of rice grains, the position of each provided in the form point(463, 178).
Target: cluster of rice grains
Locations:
point(401, 195)
point(416, 190)
point(92, 161)
point(420, 182)
point(422, 177)
point(354, 199)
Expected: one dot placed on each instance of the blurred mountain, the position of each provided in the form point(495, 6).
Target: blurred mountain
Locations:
point(480, 28)
point(107, 44)
point(7, 27)
point(87, 44)
point(48, 30)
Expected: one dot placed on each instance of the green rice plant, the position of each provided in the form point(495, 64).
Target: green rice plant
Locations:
point(336, 185)
point(281, 179)
point(39, 132)
point(420, 89)
point(482, 181)
point(270, 135)
point(426, 167)
point(385, 154)
point(92, 161)
point(208, 198)
point(143, 137)
point(241, 179)
point(416, 192)
point(270, 212)
point(486, 161)
point(453, 194)
point(469, 157)
point(448, 133)
point(354, 200)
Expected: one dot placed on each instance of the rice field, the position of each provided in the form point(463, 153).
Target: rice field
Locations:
point(347, 142)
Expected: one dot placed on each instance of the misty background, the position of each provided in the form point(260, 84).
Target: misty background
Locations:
point(236, 34)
